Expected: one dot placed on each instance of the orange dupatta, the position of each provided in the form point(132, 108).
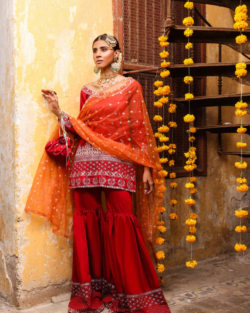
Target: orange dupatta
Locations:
point(115, 121)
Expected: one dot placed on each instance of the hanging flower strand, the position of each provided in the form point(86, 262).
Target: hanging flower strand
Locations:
point(191, 154)
point(240, 19)
point(161, 92)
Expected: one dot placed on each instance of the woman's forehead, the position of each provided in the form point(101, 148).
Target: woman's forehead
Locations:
point(100, 43)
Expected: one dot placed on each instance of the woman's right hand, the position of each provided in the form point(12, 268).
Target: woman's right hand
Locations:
point(52, 99)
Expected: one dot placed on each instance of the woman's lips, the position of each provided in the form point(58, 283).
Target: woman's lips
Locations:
point(100, 61)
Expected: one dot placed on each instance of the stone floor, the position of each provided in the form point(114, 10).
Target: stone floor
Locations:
point(218, 285)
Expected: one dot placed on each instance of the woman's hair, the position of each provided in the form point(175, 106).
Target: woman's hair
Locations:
point(104, 37)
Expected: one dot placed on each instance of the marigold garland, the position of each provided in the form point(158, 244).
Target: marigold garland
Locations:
point(162, 91)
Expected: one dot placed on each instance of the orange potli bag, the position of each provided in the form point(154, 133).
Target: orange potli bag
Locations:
point(116, 122)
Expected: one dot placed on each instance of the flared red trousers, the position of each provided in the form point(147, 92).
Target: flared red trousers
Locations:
point(111, 266)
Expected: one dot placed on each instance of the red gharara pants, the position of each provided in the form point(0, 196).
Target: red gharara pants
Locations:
point(111, 266)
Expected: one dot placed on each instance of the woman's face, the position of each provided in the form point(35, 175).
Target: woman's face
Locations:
point(103, 56)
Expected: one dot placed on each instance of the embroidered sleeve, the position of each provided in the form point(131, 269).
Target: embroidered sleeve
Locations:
point(85, 93)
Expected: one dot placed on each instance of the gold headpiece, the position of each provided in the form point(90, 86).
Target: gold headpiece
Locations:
point(111, 41)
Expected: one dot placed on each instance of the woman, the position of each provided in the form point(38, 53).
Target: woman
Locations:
point(113, 152)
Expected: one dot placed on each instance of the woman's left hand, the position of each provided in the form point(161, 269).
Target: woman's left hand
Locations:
point(148, 181)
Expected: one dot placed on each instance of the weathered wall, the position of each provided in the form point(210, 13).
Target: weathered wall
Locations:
point(217, 198)
point(7, 152)
point(53, 41)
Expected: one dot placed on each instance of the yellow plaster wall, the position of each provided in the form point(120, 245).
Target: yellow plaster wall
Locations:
point(7, 152)
point(53, 40)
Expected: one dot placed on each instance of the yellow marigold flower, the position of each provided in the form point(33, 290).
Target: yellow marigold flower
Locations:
point(240, 72)
point(164, 160)
point(164, 44)
point(242, 188)
point(192, 229)
point(163, 38)
point(241, 39)
point(172, 175)
point(188, 46)
point(241, 130)
point(192, 130)
point(165, 90)
point(161, 280)
point(241, 213)
point(160, 268)
point(164, 74)
point(163, 138)
point(171, 163)
point(241, 145)
point(163, 100)
point(241, 180)
point(158, 149)
point(157, 92)
point(173, 202)
point(241, 9)
point(164, 54)
point(193, 216)
point(164, 147)
point(172, 108)
point(190, 238)
point(161, 209)
point(189, 118)
point(193, 191)
point(191, 139)
point(162, 229)
point(239, 247)
point(172, 145)
point(240, 112)
point(189, 96)
point(241, 26)
point(160, 241)
point(188, 61)
point(240, 229)
point(163, 129)
point(188, 79)
point(171, 151)
point(188, 32)
point(173, 185)
point(189, 5)
point(191, 222)
point(165, 64)
point(189, 168)
point(157, 135)
point(158, 104)
point(191, 264)
point(240, 165)
point(190, 202)
point(160, 223)
point(162, 188)
point(172, 124)
point(157, 118)
point(189, 185)
point(192, 149)
point(241, 66)
point(241, 105)
point(158, 83)
point(163, 173)
point(173, 216)
point(241, 16)
point(188, 21)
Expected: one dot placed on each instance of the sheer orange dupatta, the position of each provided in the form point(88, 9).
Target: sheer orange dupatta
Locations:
point(115, 121)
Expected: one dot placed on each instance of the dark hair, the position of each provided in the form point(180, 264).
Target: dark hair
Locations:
point(104, 37)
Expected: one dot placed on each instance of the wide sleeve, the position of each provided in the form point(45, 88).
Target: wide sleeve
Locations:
point(83, 97)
